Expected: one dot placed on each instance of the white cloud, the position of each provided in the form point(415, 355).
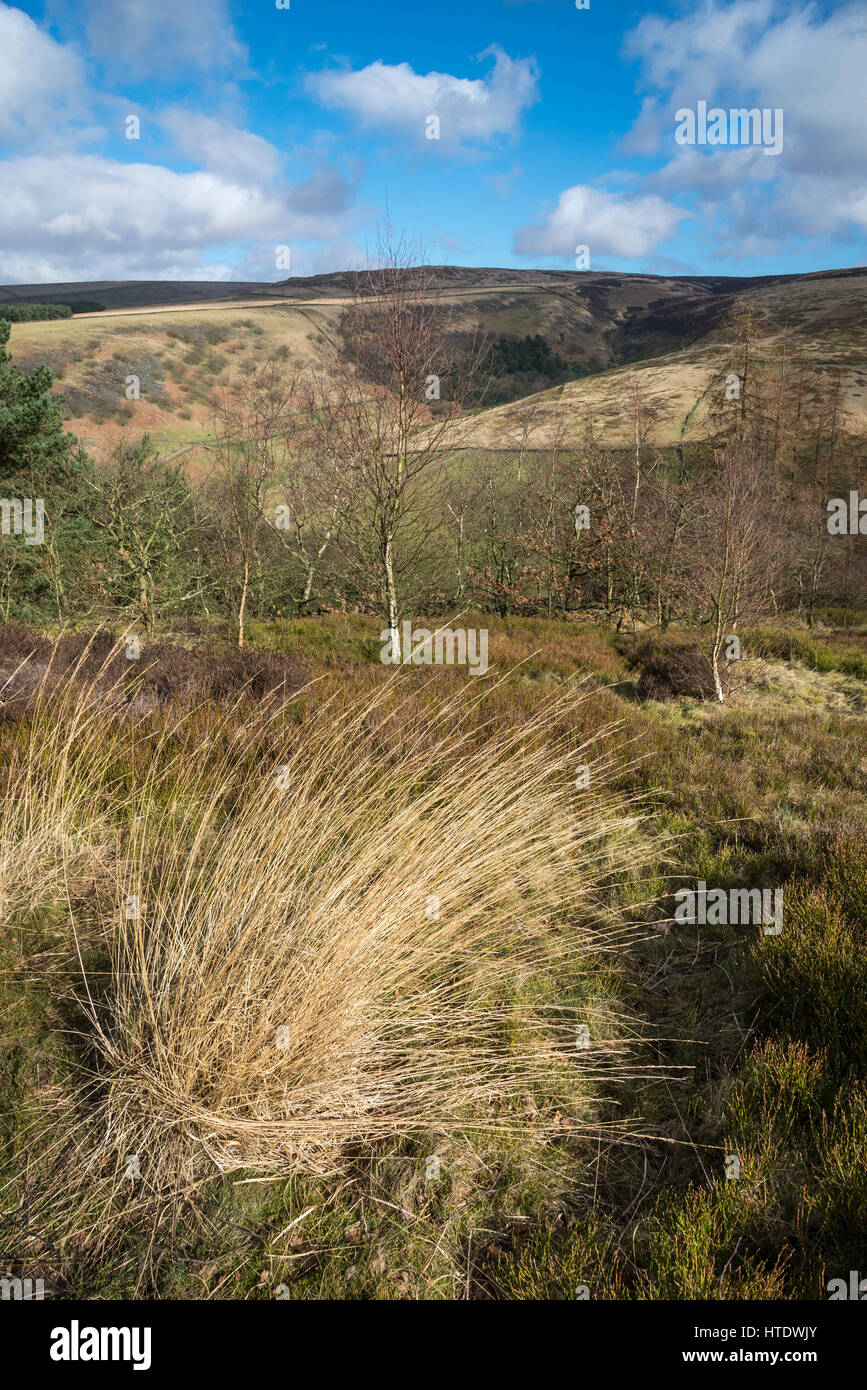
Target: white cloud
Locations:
point(84, 217)
point(764, 53)
point(150, 36)
point(611, 225)
point(708, 38)
point(759, 52)
point(69, 215)
point(221, 147)
point(40, 80)
point(396, 98)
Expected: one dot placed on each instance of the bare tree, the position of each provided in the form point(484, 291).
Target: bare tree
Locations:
point(307, 517)
point(734, 539)
point(257, 426)
point(142, 509)
point(642, 417)
point(388, 419)
point(668, 510)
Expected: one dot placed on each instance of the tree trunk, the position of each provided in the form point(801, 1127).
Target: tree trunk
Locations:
point(391, 596)
point(145, 595)
point(717, 678)
point(242, 607)
point(308, 588)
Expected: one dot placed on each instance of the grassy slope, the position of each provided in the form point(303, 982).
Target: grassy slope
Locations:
point(767, 790)
point(823, 316)
point(180, 356)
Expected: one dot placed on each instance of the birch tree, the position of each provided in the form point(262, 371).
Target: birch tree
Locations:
point(388, 419)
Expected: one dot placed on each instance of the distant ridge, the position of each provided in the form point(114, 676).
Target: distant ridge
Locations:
point(131, 294)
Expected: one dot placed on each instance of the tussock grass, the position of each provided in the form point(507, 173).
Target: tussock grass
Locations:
point(362, 947)
point(297, 929)
point(56, 779)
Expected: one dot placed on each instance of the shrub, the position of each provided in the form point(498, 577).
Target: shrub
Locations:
point(31, 664)
point(677, 668)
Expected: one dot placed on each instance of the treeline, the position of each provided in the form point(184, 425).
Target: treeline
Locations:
point(25, 313)
point(60, 309)
point(83, 306)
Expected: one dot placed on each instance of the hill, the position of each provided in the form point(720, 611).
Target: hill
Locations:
point(180, 337)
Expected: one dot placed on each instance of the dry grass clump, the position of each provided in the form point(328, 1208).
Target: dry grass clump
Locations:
point(324, 926)
point(362, 948)
point(55, 777)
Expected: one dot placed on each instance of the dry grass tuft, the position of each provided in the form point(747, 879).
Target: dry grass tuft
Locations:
point(327, 926)
point(358, 950)
point(55, 778)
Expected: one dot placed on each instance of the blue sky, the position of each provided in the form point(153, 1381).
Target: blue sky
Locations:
point(262, 127)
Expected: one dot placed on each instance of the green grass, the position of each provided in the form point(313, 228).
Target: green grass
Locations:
point(819, 654)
